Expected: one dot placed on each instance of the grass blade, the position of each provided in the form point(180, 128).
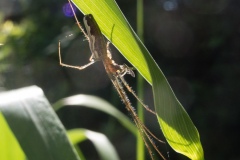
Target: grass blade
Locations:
point(9, 146)
point(99, 104)
point(36, 126)
point(175, 123)
point(103, 146)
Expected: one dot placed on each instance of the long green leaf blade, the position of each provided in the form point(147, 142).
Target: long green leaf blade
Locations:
point(97, 103)
point(175, 123)
point(103, 146)
point(9, 146)
point(35, 125)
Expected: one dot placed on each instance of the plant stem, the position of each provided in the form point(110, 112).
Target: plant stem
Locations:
point(140, 82)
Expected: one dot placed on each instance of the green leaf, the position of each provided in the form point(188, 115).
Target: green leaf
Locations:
point(35, 125)
point(175, 123)
point(9, 147)
point(103, 146)
point(99, 104)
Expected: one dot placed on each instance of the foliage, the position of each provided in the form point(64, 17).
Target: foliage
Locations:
point(175, 123)
point(40, 133)
point(196, 44)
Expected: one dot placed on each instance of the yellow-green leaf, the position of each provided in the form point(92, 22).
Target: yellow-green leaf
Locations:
point(175, 123)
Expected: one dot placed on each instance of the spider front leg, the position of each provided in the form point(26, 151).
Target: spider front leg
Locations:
point(72, 66)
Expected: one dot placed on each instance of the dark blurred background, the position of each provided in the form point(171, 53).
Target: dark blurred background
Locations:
point(196, 43)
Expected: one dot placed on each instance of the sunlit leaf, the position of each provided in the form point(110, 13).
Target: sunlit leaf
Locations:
point(175, 123)
point(9, 147)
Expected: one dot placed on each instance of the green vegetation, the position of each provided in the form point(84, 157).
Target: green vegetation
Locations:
point(196, 46)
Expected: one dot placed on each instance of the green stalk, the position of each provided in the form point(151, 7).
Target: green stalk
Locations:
point(140, 83)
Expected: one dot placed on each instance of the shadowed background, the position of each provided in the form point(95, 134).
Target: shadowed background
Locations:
point(195, 43)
